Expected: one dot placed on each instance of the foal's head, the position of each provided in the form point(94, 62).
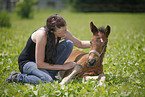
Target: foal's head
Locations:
point(98, 43)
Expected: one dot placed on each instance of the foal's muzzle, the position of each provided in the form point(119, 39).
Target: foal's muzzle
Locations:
point(92, 61)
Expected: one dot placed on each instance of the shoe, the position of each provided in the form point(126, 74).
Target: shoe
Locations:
point(12, 77)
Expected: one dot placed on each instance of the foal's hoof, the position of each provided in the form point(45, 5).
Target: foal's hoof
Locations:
point(64, 81)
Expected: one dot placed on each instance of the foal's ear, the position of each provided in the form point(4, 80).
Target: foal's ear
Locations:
point(107, 30)
point(93, 28)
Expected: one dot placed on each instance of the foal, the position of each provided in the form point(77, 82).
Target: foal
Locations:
point(89, 65)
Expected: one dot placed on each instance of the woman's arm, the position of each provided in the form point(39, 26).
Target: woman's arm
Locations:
point(78, 43)
point(41, 40)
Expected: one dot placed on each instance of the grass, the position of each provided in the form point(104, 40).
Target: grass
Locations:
point(124, 63)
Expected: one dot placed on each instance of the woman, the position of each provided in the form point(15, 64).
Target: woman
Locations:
point(43, 55)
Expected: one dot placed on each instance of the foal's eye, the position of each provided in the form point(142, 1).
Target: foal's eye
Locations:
point(99, 39)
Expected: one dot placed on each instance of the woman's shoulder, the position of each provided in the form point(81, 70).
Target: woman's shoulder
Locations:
point(39, 34)
point(42, 28)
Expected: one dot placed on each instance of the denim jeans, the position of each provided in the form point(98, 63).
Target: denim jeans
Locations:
point(33, 75)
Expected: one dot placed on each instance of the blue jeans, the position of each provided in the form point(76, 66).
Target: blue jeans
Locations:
point(33, 75)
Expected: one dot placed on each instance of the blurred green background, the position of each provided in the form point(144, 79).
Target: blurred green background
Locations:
point(124, 62)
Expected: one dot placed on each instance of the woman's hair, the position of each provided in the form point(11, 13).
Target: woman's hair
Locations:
point(53, 22)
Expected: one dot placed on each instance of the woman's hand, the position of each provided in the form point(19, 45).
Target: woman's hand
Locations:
point(69, 65)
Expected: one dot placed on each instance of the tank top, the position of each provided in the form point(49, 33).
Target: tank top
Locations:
point(28, 53)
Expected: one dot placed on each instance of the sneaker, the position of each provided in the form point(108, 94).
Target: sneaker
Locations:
point(12, 77)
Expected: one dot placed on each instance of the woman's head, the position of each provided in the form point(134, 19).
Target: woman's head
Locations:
point(56, 24)
point(55, 27)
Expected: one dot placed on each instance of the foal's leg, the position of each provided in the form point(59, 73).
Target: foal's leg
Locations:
point(78, 68)
point(75, 71)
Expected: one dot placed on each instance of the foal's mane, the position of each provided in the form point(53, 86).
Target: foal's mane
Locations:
point(102, 29)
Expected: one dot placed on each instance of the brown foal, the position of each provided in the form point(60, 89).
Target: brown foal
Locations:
point(89, 65)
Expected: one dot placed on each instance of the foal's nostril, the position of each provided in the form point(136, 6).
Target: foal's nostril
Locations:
point(91, 62)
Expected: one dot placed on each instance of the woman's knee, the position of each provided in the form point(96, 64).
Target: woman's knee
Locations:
point(69, 43)
point(65, 44)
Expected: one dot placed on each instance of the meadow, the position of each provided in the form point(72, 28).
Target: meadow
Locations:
point(124, 61)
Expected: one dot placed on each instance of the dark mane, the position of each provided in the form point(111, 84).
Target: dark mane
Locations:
point(102, 29)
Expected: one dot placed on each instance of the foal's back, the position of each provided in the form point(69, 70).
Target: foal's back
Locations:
point(75, 56)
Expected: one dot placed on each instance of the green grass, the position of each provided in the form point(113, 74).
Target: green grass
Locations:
point(124, 63)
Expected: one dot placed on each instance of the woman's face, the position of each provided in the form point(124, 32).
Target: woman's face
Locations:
point(60, 32)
